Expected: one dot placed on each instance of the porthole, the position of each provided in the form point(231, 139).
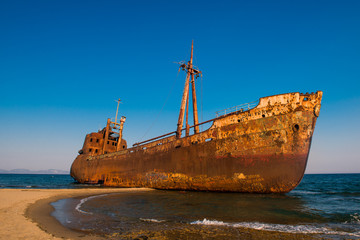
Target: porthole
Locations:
point(296, 127)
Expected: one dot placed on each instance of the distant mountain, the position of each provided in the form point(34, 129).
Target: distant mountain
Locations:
point(27, 171)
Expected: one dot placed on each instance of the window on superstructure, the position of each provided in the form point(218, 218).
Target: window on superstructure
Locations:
point(97, 140)
point(90, 149)
point(96, 150)
point(90, 139)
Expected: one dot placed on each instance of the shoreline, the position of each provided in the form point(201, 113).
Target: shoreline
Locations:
point(27, 214)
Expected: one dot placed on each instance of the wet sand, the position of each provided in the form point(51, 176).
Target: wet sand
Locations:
point(26, 214)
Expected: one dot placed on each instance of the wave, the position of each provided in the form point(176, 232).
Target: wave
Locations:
point(330, 193)
point(355, 218)
point(303, 192)
point(82, 201)
point(278, 227)
point(151, 220)
point(19, 186)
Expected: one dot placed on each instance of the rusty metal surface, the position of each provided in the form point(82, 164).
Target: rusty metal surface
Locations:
point(262, 150)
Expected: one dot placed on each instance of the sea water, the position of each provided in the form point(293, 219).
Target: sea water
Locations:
point(327, 204)
point(40, 181)
point(36, 181)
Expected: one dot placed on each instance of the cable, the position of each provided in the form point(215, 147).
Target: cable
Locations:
point(157, 116)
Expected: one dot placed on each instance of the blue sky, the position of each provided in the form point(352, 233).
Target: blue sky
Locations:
point(63, 63)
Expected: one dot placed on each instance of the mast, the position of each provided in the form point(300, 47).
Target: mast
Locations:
point(191, 72)
point(196, 120)
point(182, 107)
point(187, 126)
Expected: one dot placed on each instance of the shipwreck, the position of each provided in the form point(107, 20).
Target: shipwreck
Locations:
point(261, 147)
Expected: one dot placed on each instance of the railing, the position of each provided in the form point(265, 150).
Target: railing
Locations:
point(241, 108)
point(153, 139)
point(168, 134)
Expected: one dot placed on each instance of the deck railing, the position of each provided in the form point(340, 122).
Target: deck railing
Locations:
point(240, 108)
point(168, 134)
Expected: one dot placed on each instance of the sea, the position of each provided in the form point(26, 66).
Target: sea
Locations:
point(325, 204)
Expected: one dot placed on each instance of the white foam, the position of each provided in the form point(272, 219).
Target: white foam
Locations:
point(355, 218)
point(151, 220)
point(82, 201)
point(211, 222)
point(302, 192)
point(278, 227)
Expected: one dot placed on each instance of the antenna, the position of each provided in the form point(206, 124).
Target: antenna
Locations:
point(117, 109)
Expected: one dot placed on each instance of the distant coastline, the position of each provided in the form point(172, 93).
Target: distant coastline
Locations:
point(27, 171)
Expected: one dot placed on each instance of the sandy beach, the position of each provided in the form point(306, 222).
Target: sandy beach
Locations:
point(26, 214)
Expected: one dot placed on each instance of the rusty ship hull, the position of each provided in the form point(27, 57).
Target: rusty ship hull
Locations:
point(259, 150)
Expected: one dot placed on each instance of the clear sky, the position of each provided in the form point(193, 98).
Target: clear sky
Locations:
point(63, 63)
